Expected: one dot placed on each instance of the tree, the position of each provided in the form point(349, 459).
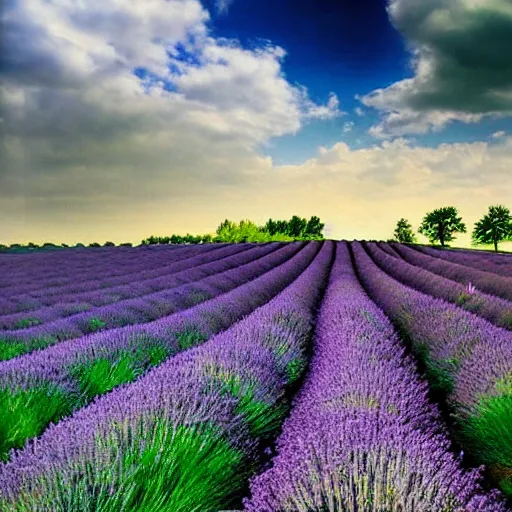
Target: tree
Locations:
point(271, 227)
point(281, 226)
point(314, 228)
point(224, 226)
point(442, 224)
point(297, 226)
point(493, 227)
point(176, 239)
point(149, 241)
point(404, 233)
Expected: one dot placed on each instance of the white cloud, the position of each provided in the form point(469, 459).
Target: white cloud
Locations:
point(456, 76)
point(89, 148)
point(359, 111)
point(323, 112)
point(223, 5)
point(364, 191)
point(348, 126)
point(406, 120)
point(75, 112)
point(70, 44)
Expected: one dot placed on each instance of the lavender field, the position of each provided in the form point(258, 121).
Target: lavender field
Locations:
point(275, 377)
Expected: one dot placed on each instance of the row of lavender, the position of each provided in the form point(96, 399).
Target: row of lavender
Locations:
point(481, 260)
point(222, 276)
point(494, 309)
point(488, 282)
point(362, 434)
point(109, 273)
point(47, 261)
point(187, 435)
point(68, 302)
point(467, 360)
point(55, 265)
point(385, 501)
point(49, 384)
point(33, 291)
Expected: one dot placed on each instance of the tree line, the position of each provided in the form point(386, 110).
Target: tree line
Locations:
point(297, 228)
point(439, 226)
point(442, 224)
point(49, 246)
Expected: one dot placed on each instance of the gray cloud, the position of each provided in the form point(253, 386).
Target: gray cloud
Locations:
point(461, 61)
point(90, 148)
point(80, 129)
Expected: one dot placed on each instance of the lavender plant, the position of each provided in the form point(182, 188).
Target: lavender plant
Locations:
point(494, 309)
point(501, 286)
point(58, 276)
point(467, 360)
point(58, 300)
point(87, 367)
point(220, 276)
point(185, 436)
point(479, 260)
point(362, 434)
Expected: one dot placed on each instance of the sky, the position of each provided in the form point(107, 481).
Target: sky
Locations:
point(123, 119)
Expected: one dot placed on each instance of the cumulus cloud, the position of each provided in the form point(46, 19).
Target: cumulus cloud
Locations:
point(461, 62)
point(111, 103)
point(323, 112)
point(122, 119)
point(364, 191)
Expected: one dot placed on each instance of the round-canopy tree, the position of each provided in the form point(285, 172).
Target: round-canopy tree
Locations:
point(494, 227)
point(441, 224)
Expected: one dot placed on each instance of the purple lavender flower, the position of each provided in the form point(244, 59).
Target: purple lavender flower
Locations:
point(466, 359)
point(215, 277)
point(40, 274)
point(494, 309)
point(97, 293)
point(500, 264)
point(81, 462)
point(362, 434)
point(488, 282)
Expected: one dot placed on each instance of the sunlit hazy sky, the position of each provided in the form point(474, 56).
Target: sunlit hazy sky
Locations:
point(124, 118)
